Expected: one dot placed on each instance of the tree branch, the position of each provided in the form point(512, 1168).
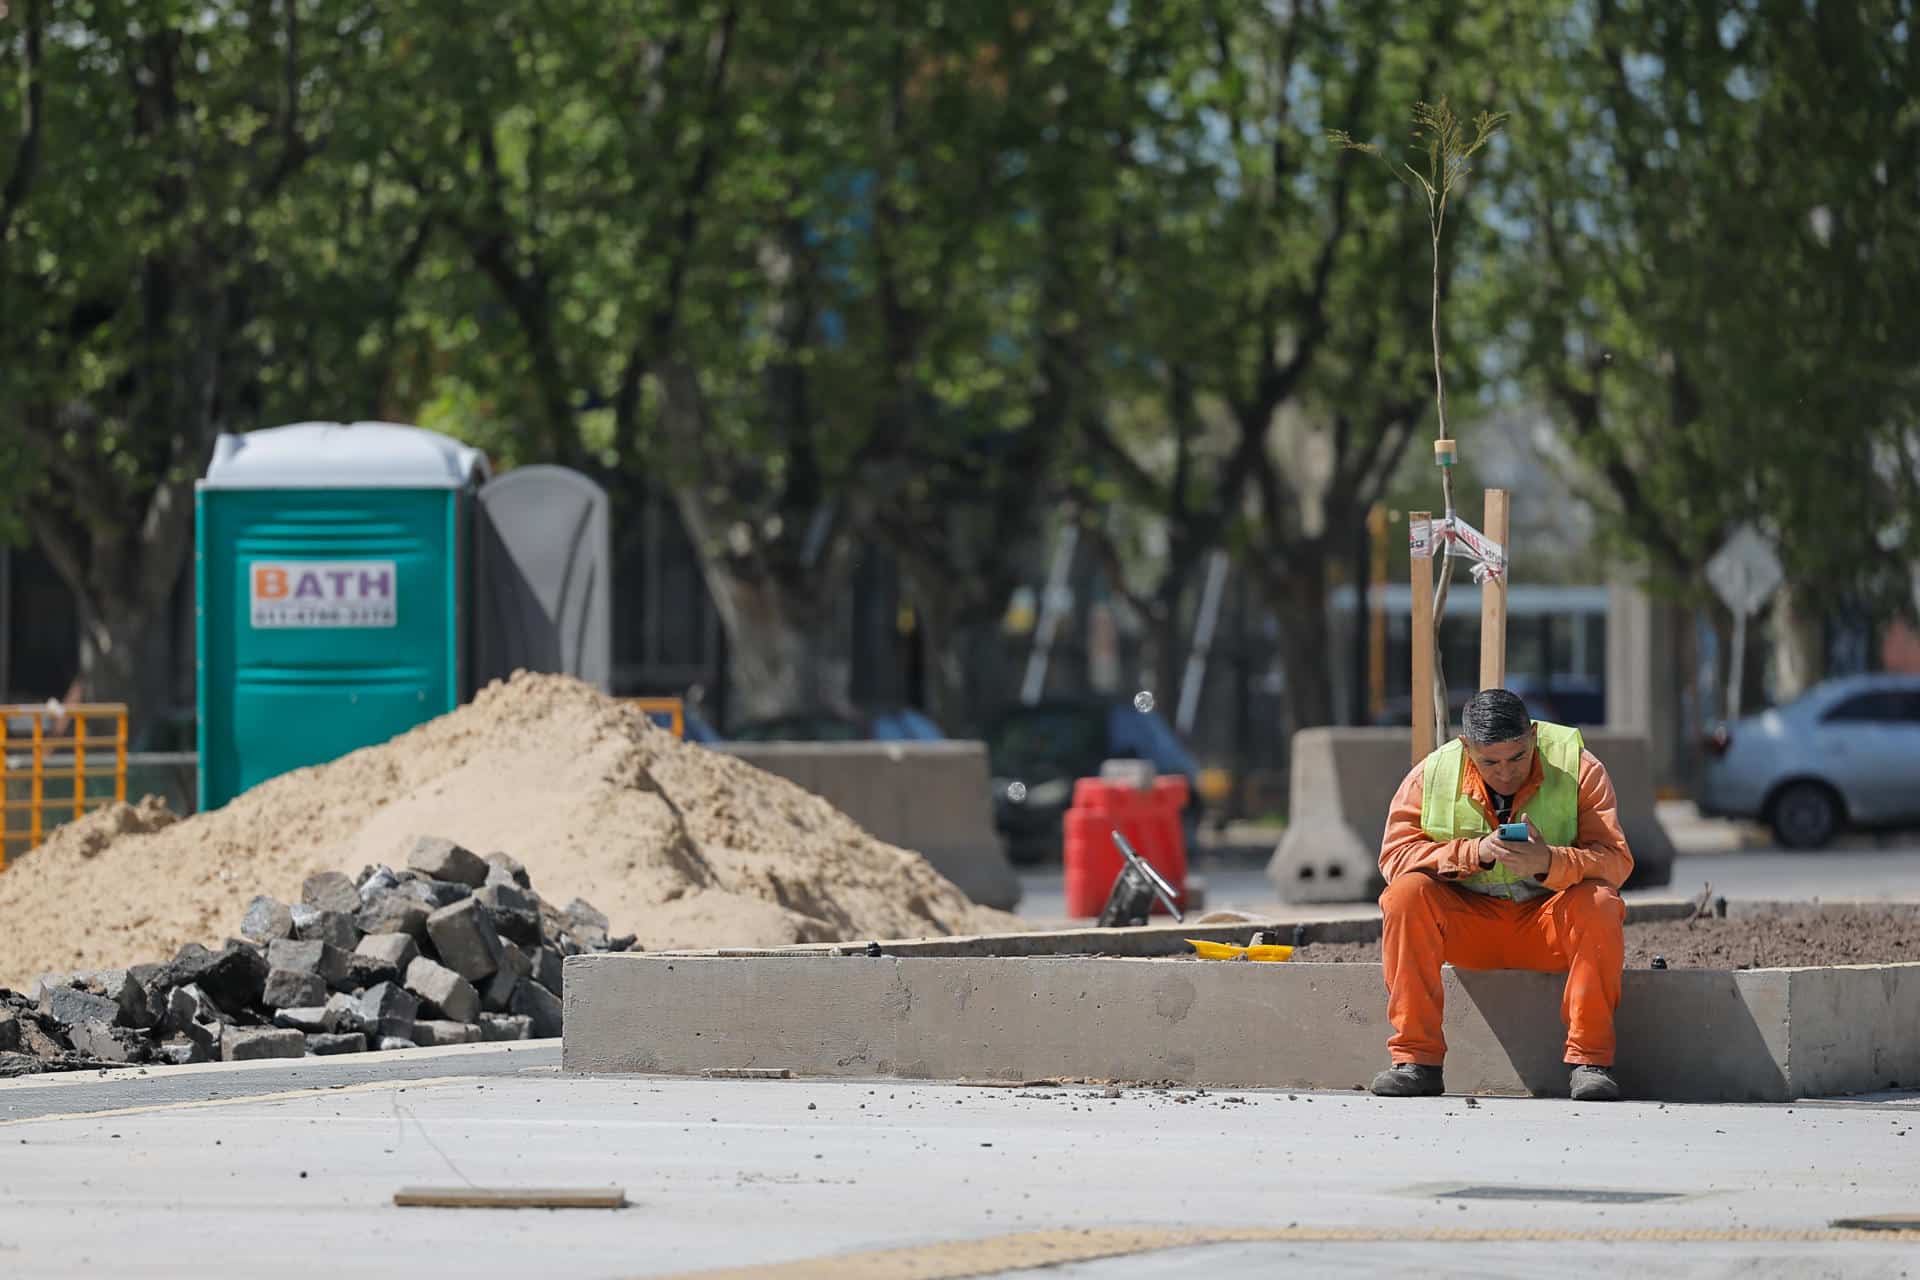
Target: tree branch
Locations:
point(788, 383)
point(626, 403)
point(1107, 552)
point(26, 152)
point(294, 148)
point(405, 269)
point(686, 233)
point(1266, 484)
point(526, 295)
point(1278, 381)
point(1389, 445)
point(1283, 104)
point(62, 547)
point(1180, 410)
point(93, 504)
point(1584, 410)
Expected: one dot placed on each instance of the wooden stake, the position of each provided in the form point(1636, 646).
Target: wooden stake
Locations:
point(1420, 557)
point(1377, 615)
point(511, 1197)
point(1493, 599)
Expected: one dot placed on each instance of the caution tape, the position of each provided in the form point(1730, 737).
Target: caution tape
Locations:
point(1489, 557)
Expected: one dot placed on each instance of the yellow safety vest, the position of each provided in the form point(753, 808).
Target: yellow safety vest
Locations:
point(1447, 812)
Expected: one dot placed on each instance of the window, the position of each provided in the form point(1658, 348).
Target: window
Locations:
point(1880, 707)
point(1046, 742)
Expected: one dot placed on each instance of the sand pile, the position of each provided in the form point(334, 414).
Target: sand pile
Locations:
point(678, 845)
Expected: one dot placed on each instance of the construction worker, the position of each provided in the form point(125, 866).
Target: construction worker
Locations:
point(1458, 894)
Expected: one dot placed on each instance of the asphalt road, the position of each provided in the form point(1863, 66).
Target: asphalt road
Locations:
point(787, 1178)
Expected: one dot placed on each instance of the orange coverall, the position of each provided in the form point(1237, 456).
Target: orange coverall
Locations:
point(1576, 929)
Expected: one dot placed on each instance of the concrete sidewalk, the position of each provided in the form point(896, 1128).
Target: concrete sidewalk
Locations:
point(776, 1173)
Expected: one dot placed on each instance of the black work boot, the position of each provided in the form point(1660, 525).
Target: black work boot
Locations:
point(1593, 1084)
point(1409, 1080)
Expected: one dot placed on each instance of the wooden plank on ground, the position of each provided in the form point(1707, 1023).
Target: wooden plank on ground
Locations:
point(511, 1197)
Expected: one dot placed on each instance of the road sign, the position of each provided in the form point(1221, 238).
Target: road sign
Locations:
point(1745, 571)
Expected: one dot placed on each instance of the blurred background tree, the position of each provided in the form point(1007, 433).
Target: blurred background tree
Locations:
point(1712, 224)
point(172, 269)
point(837, 275)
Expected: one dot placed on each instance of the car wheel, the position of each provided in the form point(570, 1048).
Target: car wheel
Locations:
point(1805, 815)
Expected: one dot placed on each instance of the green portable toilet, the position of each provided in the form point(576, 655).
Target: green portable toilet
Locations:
point(331, 568)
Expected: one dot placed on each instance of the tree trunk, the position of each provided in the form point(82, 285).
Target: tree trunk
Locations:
point(946, 683)
point(1360, 651)
point(122, 580)
point(786, 645)
point(782, 602)
point(126, 651)
point(1163, 636)
point(1305, 654)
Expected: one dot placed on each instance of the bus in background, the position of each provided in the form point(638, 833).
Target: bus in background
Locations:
point(1556, 651)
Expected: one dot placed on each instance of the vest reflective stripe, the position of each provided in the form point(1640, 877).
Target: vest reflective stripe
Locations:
point(1447, 812)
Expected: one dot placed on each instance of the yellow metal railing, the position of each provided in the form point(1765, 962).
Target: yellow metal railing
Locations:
point(672, 708)
point(48, 761)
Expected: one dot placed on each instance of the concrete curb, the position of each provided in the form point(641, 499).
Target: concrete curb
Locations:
point(1127, 1004)
point(166, 1071)
point(1355, 923)
point(1765, 1035)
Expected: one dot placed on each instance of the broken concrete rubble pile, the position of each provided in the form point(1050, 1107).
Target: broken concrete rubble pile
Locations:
point(455, 948)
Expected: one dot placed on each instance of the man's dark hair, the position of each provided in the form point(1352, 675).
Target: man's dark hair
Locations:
point(1495, 715)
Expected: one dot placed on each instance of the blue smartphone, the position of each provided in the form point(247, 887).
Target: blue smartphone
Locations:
point(1514, 832)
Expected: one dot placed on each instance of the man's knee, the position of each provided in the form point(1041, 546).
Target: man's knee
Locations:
point(1595, 908)
point(1411, 892)
point(1595, 898)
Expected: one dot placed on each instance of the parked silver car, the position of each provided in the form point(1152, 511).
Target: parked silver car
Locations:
point(1845, 753)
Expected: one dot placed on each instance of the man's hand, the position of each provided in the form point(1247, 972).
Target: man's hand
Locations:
point(1529, 860)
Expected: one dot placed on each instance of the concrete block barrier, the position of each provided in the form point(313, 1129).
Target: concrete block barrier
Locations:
point(1765, 1035)
point(1629, 761)
point(930, 797)
point(1341, 785)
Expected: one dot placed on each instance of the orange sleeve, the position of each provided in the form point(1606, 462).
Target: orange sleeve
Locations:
point(1405, 846)
point(1601, 852)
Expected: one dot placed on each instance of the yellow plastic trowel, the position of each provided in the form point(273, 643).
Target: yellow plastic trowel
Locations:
point(1227, 951)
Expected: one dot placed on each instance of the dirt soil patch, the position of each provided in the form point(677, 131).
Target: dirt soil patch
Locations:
point(682, 846)
point(1757, 938)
